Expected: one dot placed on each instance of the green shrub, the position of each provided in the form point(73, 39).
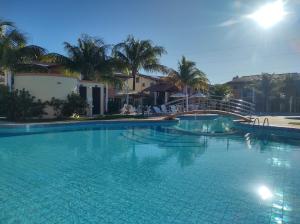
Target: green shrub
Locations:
point(66, 108)
point(74, 104)
point(57, 106)
point(19, 105)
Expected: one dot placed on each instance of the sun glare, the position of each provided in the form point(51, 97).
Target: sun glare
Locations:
point(265, 193)
point(269, 14)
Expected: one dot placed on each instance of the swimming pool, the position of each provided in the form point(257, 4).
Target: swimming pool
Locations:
point(149, 173)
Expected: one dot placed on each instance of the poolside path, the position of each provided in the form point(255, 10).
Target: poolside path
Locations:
point(282, 121)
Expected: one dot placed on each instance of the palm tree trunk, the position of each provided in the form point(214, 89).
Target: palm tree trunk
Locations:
point(134, 78)
point(187, 98)
point(291, 104)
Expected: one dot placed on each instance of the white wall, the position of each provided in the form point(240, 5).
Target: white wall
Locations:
point(44, 86)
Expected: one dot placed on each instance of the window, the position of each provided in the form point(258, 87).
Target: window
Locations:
point(143, 84)
point(137, 79)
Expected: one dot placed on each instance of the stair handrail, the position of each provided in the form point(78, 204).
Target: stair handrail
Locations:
point(266, 121)
point(254, 121)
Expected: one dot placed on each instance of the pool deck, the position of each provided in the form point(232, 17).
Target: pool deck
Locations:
point(4, 124)
point(275, 121)
point(281, 121)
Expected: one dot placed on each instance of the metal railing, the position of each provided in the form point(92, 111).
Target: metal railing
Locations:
point(214, 103)
point(266, 121)
point(254, 121)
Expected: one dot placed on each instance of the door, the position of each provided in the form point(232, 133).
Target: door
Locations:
point(82, 92)
point(96, 100)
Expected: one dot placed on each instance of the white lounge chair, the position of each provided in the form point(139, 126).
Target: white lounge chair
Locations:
point(128, 109)
point(132, 110)
point(148, 110)
point(157, 110)
point(173, 109)
point(124, 109)
point(164, 109)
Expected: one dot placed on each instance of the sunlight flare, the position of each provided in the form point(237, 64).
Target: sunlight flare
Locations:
point(270, 14)
point(264, 192)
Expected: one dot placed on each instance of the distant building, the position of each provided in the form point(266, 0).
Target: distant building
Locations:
point(248, 88)
point(142, 82)
point(119, 95)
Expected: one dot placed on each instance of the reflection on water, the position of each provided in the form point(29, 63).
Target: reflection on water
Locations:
point(157, 174)
point(207, 124)
point(265, 193)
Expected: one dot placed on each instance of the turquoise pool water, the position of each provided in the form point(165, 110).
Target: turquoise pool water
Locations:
point(148, 174)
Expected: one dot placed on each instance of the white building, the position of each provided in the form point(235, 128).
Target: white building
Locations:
point(45, 86)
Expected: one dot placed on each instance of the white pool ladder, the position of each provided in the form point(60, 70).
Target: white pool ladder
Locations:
point(254, 122)
point(266, 122)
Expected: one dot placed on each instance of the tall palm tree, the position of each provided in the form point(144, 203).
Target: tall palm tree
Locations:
point(266, 89)
point(89, 58)
point(134, 55)
point(188, 75)
point(290, 87)
point(15, 54)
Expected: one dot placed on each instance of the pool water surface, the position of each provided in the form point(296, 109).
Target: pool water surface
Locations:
point(149, 174)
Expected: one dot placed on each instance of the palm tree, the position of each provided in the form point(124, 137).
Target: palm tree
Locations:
point(266, 88)
point(221, 90)
point(290, 88)
point(188, 76)
point(15, 54)
point(134, 55)
point(89, 58)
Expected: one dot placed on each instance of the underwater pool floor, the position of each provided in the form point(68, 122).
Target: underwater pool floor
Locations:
point(152, 174)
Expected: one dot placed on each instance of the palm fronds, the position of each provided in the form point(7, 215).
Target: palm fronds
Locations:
point(15, 54)
point(188, 75)
point(135, 55)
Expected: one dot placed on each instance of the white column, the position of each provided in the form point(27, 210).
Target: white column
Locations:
point(166, 97)
point(89, 99)
point(106, 98)
point(127, 90)
point(102, 100)
point(155, 98)
point(8, 79)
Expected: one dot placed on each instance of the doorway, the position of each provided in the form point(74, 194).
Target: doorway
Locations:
point(96, 100)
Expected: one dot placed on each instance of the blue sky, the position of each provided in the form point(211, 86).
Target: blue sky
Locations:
point(213, 33)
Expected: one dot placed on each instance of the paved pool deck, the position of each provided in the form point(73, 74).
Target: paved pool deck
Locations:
point(276, 121)
point(4, 124)
point(282, 121)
